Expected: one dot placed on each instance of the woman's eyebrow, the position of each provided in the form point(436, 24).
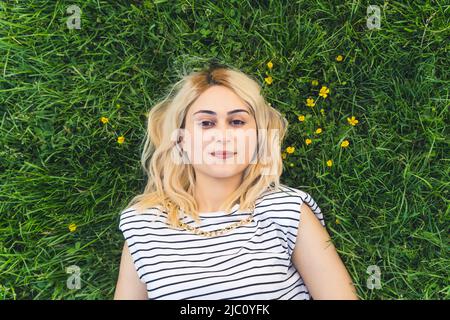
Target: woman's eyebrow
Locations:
point(214, 113)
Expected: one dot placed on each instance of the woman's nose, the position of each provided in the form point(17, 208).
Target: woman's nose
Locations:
point(223, 133)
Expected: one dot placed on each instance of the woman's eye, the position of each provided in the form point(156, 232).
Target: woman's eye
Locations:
point(239, 122)
point(207, 122)
point(210, 123)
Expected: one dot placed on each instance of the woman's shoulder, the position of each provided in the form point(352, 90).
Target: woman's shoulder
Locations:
point(284, 192)
point(290, 199)
point(307, 198)
point(132, 216)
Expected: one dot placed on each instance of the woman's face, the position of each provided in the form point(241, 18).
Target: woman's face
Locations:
point(219, 121)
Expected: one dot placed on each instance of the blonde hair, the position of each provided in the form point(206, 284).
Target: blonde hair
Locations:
point(172, 185)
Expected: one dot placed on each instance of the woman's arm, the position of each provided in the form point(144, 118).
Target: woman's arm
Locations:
point(317, 261)
point(129, 286)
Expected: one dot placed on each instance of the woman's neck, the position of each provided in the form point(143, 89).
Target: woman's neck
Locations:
point(210, 193)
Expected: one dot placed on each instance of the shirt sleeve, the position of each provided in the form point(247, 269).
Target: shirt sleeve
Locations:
point(303, 197)
point(129, 225)
point(306, 198)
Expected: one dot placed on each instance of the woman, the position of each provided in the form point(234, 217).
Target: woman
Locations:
point(214, 221)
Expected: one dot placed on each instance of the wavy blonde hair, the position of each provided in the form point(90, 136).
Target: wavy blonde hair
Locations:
point(172, 185)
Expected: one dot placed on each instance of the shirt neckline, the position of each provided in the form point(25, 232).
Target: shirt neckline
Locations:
point(234, 209)
point(219, 213)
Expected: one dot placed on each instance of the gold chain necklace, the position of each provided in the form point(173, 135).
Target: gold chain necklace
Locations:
point(218, 231)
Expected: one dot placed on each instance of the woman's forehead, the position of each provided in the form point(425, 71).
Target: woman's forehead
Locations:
point(224, 111)
point(218, 99)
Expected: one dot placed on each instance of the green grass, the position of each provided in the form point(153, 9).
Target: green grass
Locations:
point(59, 164)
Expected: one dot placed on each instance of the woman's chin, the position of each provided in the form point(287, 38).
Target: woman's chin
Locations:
point(222, 171)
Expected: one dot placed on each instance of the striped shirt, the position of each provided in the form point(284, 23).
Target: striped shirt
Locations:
point(252, 261)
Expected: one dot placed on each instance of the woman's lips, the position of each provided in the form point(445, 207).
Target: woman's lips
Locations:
point(223, 154)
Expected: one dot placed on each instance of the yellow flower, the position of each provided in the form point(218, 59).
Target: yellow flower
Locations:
point(291, 164)
point(72, 227)
point(283, 155)
point(338, 221)
point(315, 83)
point(345, 144)
point(104, 120)
point(330, 163)
point(352, 121)
point(270, 65)
point(301, 118)
point(339, 58)
point(322, 111)
point(319, 130)
point(268, 80)
point(290, 149)
point(310, 102)
point(308, 141)
point(120, 139)
point(324, 91)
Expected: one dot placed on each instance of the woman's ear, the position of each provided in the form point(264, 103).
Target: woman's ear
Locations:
point(180, 143)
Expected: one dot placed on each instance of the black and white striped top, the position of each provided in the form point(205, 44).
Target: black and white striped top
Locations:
point(253, 261)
